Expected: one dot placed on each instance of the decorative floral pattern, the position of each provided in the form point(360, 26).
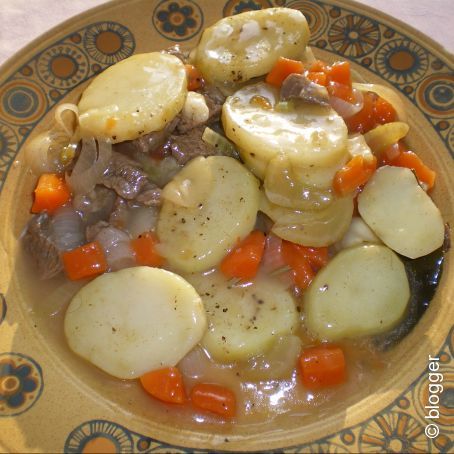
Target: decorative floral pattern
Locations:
point(233, 7)
point(21, 383)
point(354, 35)
point(178, 20)
point(402, 61)
point(436, 95)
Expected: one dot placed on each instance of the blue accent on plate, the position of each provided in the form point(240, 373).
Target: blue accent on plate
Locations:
point(178, 20)
point(21, 383)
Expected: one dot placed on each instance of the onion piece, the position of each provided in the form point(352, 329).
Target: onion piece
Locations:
point(63, 123)
point(117, 248)
point(272, 257)
point(67, 229)
point(92, 163)
point(141, 219)
point(346, 109)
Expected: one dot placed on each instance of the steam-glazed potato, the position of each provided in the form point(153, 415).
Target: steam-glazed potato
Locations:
point(247, 45)
point(219, 205)
point(244, 321)
point(400, 212)
point(363, 290)
point(135, 320)
point(313, 137)
point(136, 96)
point(310, 228)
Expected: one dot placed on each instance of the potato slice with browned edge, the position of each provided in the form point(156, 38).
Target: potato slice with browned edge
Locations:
point(362, 291)
point(136, 96)
point(401, 213)
point(135, 320)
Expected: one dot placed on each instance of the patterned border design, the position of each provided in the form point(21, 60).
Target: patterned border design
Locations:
point(21, 383)
point(391, 430)
point(3, 308)
point(60, 67)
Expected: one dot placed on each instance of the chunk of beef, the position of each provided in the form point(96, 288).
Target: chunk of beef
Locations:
point(125, 176)
point(41, 247)
point(148, 142)
point(150, 195)
point(214, 99)
point(190, 145)
point(180, 53)
point(95, 206)
point(297, 86)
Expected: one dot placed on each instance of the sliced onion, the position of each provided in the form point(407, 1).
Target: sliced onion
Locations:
point(346, 109)
point(67, 125)
point(141, 219)
point(117, 248)
point(67, 229)
point(272, 257)
point(92, 163)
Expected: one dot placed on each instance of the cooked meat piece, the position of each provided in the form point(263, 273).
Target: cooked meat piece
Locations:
point(190, 145)
point(95, 206)
point(150, 195)
point(297, 86)
point(176, 50)
point(92, 230)
point(39, 244)
point(214, 99)
point(120, 213)
point(148, 142)
point(125, 176)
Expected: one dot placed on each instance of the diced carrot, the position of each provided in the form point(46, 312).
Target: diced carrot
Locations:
point(354, 174)
point(144, 249)
point(364, 120)
point(243, 261)
point(318, 256)
point(282, 69)
point(318, 78)
point(340, 91)
point(85, 261)
point(214, 398)
point(51, 193)
point(384, 112)
point(303, 274)
point(194, 76)
point(165, 384)
point(340, 72)
point(322, 366)
point(318, 66)
point(410, 160)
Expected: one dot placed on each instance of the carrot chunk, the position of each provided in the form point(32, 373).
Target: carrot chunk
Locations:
point(194, 77)
point(296, 259)
point(144, 249)
point(384, 112)
point(282, 69)
point(165, 384)
point(340, 72)
point(243, 261)
point(51, 193)
point(364, 120)
point(214, 398)
point(319, 78)
point(85, 261)
point(322, 366)
point(353, 175)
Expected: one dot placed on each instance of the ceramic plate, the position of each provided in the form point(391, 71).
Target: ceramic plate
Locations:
point(50, 404)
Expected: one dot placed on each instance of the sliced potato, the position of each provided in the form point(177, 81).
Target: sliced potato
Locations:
point(136, 96)
point(313, 137)
point(196, 237)
point(383, 136)
point(388, 94)
point(357, 146)
point(135, 320)
point(362, 291)
point(244, 321)
point(238, 48)
point(310, 228)
point(400, 212)
point(283, 186)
